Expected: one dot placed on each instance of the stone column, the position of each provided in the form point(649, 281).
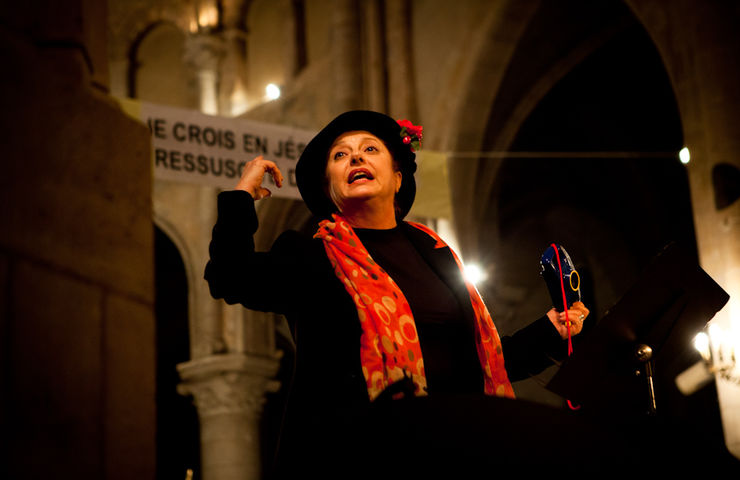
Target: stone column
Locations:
point(233, 71)
point(346, 55)
point(229, 393)
point(203, 52)
point(374, 75)
point(703, 65)
point(400, 61)
point(233, 78)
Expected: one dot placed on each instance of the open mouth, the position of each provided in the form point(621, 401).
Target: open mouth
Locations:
point(359, 174)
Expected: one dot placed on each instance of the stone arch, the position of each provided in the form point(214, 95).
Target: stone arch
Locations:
point(623, 32)
point(187, 213)
point(518, 81)
point(177, 442)
point(513, 192)
point(699, 42)
point(167, 78)
point(464, 119)
point(506, 41)
point(523, 88)
point(191, 274)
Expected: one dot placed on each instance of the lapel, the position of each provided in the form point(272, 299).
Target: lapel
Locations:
point(443, 264)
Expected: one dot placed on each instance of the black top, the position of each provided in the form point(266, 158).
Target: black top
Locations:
point(296, 279)
point(446, 337)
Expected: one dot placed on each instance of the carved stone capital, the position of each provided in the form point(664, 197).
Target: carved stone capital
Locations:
point(229, 383)
point(204, 51)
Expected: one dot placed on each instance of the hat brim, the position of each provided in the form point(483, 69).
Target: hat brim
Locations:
point(311, 167)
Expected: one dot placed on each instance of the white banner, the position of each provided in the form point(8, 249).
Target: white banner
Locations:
point(189, 146)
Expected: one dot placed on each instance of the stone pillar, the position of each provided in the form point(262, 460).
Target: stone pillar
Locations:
point(229, 393)
point(233, 79)
point(77, 336)
point(203, 52)
point(400, 61)
point(700, 45)
point(346, 55)
point(375, 71)
point(233, 73)
point(294, 55)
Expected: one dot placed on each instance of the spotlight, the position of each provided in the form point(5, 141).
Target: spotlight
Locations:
point(475, 274)
point(272, 91)
point(684, 155)
point(701, 343)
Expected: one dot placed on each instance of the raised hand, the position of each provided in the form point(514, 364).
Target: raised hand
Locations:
point(576, 315)
point(253, 174)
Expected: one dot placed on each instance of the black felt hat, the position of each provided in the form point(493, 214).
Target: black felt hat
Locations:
point(311, 167)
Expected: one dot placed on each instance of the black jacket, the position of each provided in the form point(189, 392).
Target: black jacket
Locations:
point(295, 279)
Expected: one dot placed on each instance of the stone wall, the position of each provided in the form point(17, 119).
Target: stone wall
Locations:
point(76, 249)
point(700, 45)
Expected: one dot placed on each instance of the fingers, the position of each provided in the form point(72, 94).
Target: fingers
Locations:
point(261, 193)
point(577, 311)
point(273, 170)
point(576, 325)
point(576, 315)
point(573, 315)
point(573, 323)
point(580, 306)
point(574, 318)
point(253, 175)
point(268, 166)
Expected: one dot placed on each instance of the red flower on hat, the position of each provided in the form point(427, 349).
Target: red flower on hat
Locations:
point(411, 134)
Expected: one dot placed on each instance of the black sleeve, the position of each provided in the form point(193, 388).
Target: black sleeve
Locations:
point(262, 281)
point(532, 349)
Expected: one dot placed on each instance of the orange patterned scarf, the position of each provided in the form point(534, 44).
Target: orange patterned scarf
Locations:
point(389, 344)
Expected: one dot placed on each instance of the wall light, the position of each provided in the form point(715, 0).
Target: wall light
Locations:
point(206, 16)
point(718, 350)
point(701, 344)
point(272, 91)
point(684, 155)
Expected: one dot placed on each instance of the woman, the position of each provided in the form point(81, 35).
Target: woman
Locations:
point(378, 307)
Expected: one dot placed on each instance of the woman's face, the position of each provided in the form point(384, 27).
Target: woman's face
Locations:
point(360, 168)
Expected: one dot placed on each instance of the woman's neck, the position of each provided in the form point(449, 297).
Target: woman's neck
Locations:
point(366, 217)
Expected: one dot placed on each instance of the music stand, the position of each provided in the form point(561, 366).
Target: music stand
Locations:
point(671, 301)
